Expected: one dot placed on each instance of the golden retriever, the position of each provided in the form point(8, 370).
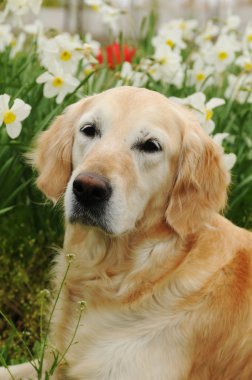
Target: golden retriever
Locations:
point(167, 279)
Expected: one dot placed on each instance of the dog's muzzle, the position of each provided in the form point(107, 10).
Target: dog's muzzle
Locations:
point(91, 193)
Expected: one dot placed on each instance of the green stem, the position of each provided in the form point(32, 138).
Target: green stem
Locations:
point(49, 323)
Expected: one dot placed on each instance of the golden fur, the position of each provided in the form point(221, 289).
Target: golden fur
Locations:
point(168, 297)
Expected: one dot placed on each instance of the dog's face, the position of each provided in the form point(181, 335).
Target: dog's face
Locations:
point(122, 158)
point(129, 154)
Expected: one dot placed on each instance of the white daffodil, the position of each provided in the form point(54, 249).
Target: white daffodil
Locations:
point(222, 53)
point(95, 4)
point(35, 28)
point(208, 35)
point(168, 68)
point(93, 44)
point(64, 49)
point(17, 44)
point(57, 83)
point(90, 50)
point(131, 77)
point(187, 27)
point(13, 116)
point(110, 15)
point(203, 110)
point(5, 36)
point(232, 24)
point(201, 75)
point(170, 37)
point(247, 38)
point(239, 88)
point(245, 62)
point(21, 7)
point(229, 158)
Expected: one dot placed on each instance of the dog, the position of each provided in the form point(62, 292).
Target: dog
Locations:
point(166, 278)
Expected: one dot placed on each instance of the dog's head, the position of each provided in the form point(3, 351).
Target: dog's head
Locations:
point(130, 156)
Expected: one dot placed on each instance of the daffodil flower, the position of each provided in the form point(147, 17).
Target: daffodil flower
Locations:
point(229, 158)
point(203, 110)
point(57, 83)
point(201, 75)
point(21, 7)
point(64, 49)
point(13, 116)
point(5, 36)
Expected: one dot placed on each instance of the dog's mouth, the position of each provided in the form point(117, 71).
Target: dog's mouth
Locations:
point(94, 216)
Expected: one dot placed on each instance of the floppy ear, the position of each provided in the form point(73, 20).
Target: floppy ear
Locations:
point(200, 185)
point(52, 157)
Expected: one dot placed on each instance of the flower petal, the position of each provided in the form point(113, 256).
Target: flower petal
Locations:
point(44, 77)
point(49, 90)
point(219, 137)
point(21, 109)
point(209, 126)
point(215, 102)
point(229, 160)
point(4, 102)
point(14, 129)
point(197, 101)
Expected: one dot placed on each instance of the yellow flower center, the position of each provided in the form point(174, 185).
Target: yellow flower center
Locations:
point(182, 25)
point(249, 37)
point(65, 55)
point(9, 117)
point(95, 8)
point(209, 114)
point(13, 43)
point(57, 82)
point(207, 37)
point(223, 55)
point(200, 77)
point(163, 61)
point(170, 43)
point(152, 71)
point(248, 66)
point(87, 71)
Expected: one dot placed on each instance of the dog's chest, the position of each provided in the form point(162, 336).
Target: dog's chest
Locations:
point(127, 345)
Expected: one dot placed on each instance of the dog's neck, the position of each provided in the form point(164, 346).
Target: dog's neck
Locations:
point(120, 269)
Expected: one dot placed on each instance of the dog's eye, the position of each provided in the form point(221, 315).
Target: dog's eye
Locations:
point(149, 146)
point(90, 130)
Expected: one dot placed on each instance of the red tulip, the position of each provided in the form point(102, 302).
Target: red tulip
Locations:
point(115, 54)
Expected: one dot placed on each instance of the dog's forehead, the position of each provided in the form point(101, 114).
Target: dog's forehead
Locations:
point(131, 107)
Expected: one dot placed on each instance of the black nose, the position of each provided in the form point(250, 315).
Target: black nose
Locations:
point(91, 189)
